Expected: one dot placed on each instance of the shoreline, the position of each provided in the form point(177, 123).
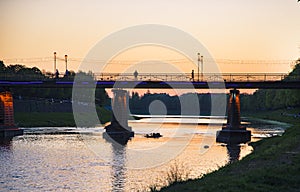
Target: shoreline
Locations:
point(273, 165)
point(276, 122)
point(56, 119)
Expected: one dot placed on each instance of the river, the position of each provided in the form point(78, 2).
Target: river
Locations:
point(81, 159)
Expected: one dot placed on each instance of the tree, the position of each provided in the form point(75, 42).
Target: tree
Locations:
point(275, 99)
point(2, 67)
point(14, 69)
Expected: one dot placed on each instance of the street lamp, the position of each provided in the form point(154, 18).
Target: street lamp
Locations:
point(198, 64)
point(54, 62)
point(202, 68)
point(66, 60)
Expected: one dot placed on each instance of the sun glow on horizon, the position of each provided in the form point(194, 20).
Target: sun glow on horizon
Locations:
point(150, 59)
point(232, 30)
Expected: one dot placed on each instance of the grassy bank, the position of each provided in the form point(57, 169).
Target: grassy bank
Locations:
point(55, 119)
point(274, 164)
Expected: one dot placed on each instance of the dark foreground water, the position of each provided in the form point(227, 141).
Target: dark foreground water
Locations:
point(69, 159)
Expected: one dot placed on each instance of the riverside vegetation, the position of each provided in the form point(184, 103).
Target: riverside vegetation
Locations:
point(49, 107)
point(56, 119)
point(274, 165)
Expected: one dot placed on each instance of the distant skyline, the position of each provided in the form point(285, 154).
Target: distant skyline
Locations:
point(231, 29)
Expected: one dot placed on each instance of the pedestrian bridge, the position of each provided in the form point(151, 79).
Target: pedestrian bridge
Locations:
point(118, 130)
point(158, 81)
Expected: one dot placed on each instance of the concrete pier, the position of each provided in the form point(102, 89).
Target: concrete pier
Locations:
point(233, 132)
point(8, 129)
point(118, 128)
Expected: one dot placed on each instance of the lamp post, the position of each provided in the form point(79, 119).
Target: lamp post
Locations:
point(198, 64)
point(202, 68)
point(54, 62)
point(66, 60)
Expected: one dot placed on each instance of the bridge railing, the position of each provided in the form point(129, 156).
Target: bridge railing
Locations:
point(29, 77)
point(141, 77)
point(210, 77)
point(22, 77)
point(207, 77)
point(254, 77)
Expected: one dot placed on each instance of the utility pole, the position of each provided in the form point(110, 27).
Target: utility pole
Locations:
point(202, 68)
point(198, 65)
point(66, 60)
point(54, 63)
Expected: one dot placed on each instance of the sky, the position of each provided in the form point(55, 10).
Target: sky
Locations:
point(234, 30)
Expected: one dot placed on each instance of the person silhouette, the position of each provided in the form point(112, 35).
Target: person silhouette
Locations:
point(67, 72)
point(192, 75)
point(135, 74)
point(56, 74)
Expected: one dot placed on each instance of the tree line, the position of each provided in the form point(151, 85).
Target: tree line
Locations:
point(269, 99)
point(262, 99)
point(186, 104)
point(18, 71)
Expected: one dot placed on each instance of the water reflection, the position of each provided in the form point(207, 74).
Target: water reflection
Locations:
point(59, 162)
point(233, 151)
point(118, 167)
point(5, 143)
point(118, 173)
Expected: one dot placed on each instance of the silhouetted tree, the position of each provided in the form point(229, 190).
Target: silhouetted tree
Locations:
point(26, 73)
point(274, 99)
point(2, 67)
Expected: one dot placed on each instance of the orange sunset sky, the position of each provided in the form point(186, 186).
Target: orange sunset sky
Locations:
point(265, 34)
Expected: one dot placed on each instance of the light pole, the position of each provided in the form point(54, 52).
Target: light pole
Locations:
point(54, 62)
point(66, 60)
point(202, 68)
point(198, 64)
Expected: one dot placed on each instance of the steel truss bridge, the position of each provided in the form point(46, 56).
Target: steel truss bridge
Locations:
point(157, 81)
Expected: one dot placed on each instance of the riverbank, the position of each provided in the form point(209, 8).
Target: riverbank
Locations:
point(54, 119)
point(274, 164)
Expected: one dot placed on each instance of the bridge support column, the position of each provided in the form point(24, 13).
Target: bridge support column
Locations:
point(8, 129)
point(233, 132)
point(118, 128)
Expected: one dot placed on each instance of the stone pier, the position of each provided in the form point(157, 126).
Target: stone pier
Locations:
point(233, 131)
point(8, 129)
point(118, 128)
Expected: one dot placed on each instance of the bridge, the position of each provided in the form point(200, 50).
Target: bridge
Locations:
point(159, 81)
point(119, 129)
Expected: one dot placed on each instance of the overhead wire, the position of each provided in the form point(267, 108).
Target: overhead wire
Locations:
point(128, 62)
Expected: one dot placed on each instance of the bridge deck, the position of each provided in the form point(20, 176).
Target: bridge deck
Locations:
point(154, 84)
point(159, 81)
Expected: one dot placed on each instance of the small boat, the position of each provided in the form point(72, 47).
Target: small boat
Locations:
point(153, 135)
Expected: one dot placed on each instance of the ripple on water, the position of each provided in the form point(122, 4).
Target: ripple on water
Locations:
point(57, 162)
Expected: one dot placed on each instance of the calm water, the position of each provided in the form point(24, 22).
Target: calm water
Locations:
point(82, 160)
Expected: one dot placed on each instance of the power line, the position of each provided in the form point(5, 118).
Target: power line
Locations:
point(130, 62)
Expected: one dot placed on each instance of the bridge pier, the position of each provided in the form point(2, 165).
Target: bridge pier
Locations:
point(8, 129)
point(118, 128)
point(233, 132)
